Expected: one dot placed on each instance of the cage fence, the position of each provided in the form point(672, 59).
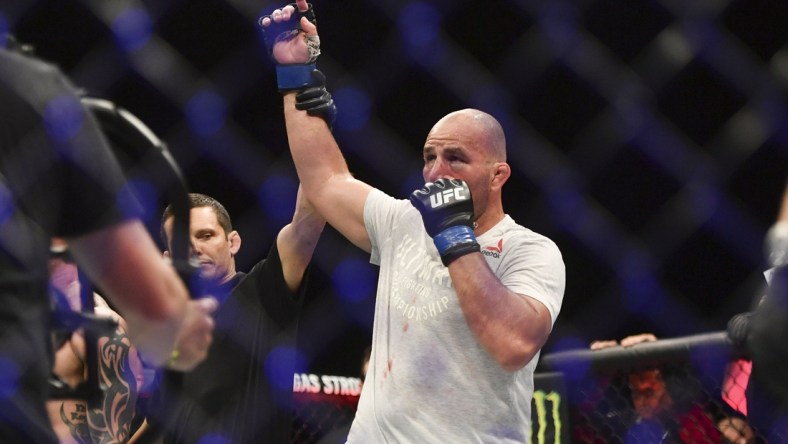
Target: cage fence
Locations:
point(681, 390)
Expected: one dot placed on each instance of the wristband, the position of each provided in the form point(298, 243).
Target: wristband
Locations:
point(454, 242)
point(173, 356)
point(292, 77)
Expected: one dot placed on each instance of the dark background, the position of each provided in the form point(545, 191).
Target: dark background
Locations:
point(648, 139)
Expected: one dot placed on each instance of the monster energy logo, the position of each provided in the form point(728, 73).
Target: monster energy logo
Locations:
point(546, 417)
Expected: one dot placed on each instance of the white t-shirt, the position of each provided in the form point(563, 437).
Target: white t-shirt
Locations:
point(429, 379)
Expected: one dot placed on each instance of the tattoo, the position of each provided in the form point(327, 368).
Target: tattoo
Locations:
point(76, 421)
point(111, 422)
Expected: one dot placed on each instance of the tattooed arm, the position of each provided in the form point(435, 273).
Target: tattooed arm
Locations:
point(120, 374)
point(69, 416)
point(120, 370)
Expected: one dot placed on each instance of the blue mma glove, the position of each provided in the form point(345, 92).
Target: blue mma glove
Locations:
point(295, 76)
point(447, 210)
point(316, 100)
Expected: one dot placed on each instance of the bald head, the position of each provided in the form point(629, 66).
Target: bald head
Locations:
point(482, 127)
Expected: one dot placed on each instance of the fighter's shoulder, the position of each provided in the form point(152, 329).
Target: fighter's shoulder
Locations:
point(519, 237)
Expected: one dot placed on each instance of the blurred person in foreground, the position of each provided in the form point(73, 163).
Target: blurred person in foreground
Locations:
point(466, 296)
point(58, 177)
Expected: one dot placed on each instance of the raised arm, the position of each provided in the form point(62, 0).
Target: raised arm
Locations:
point(324, 174)
point(297, 241)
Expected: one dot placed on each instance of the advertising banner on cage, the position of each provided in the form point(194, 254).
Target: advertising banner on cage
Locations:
point(549, 413)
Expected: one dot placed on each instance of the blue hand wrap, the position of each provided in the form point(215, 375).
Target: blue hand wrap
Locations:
point(454, 242)
point(293, 77)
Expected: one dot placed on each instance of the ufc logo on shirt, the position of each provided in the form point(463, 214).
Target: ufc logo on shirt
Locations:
point(446, 196)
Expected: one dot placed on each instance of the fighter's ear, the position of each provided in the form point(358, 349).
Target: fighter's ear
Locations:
point(500, 174)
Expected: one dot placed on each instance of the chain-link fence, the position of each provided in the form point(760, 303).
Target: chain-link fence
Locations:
point(321, 418)
point(647, 139)
point(682, 390)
